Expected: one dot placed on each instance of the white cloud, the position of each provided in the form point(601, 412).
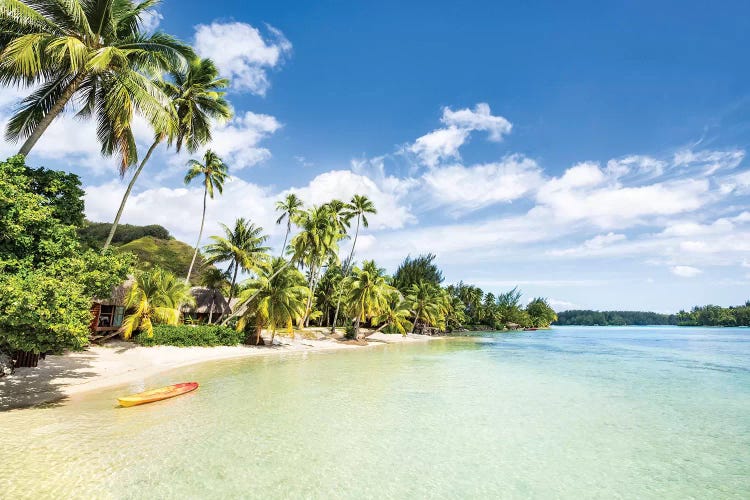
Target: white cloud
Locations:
point(444, 143)
point(591, 246)
point(709, 161)
point(462, 189)
point(151, 20)
point(237, 141)
point(441, 144)
point(242, 53)
point(685, 271)
point(480, 118)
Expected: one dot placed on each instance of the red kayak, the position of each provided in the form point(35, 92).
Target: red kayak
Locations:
point(167, 392)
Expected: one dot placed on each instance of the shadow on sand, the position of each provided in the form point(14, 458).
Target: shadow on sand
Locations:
point(43, 385)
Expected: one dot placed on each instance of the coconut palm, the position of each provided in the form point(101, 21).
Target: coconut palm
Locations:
point(214, 172)
point(426, 302)
point(196, 99)
point(367, 293)
point(289, 207)
point(396, 315)
point(95, 51)
point(358, 207)
point(241, 246)
point(276, 298)
point(155, 297)
point(315, 244)
point(340, 215)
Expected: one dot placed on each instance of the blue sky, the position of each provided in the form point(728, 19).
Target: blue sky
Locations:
point(592, 153)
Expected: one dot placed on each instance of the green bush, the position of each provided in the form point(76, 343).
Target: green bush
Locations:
point(187, 336)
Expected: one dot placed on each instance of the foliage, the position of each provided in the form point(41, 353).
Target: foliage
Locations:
point(155, 297)
point(171, 255)
point(712, 315)
point(367, 293)
point(395, 317)
point(241, 246)
point(94, 52)
point(289, 208)
point(93, 234)
point(61, 191)
point(46, 280)
point(415, 270)
point(187, 336)
point(540, 312)
point(276, 298)
point(40, 313)
point(614, 318)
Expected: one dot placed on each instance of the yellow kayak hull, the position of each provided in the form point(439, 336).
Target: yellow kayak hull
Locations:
point(159, 394)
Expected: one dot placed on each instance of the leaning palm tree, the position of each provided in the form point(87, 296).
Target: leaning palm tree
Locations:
point(243, 247)
point(396, 315)
point(426, 302)
point(368, 293)
point(95, 51)
point(289, 207)
point(196, 99)
point(214, 172)
point(315, 244)
point(358, 207)
point(276, 299)
point(155, 297)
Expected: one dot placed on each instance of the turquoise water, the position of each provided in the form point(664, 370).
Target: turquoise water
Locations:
point(566, 413)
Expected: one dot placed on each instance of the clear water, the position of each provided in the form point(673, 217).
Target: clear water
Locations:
point(566, 413)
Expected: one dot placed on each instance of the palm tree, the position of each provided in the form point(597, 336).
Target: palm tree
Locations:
point(289, 208)
point(340, 215)
point(396, 315)
point(214, 172)
point(156, 296)
point(315, 244)
point(94, 51)
point(368, 293)
point(359, 207)
point(276, 298)
point(196, 99)
point(426, 303)
point(242, 247)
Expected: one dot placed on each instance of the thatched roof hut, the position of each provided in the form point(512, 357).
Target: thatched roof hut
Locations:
point(117, 297)
point(207, 301)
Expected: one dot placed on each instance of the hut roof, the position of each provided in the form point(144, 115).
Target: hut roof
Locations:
point(207, 299)
point(117, 297)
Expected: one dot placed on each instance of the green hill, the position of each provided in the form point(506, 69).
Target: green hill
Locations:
point(172, 255)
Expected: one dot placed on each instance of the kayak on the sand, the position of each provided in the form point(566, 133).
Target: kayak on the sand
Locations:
point(169, 391)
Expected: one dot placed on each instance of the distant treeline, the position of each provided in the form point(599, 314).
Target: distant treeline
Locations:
point(614, 318)
point(709, 315)
point(94, 234)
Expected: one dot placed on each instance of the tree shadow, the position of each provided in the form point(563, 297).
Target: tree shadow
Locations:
point(43, 385)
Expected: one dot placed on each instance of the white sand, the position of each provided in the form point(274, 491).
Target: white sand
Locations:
point(116, 363)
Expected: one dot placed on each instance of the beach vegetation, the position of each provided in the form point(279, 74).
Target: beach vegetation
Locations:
point(155, 297)
point(191, 336)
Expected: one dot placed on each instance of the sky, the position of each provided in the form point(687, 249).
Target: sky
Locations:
point(593, 153)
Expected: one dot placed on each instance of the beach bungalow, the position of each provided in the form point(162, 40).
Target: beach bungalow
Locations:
point(107, 314)
point(210, 306)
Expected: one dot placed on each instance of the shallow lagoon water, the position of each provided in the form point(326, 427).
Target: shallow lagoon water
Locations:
point(566, 413)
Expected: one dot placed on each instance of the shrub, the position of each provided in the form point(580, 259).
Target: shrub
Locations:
point(187, 336)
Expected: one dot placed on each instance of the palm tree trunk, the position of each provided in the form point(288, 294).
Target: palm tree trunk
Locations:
point(200, 235)
point(288, 230)
point(127, 193)
point(310, 297)
point(349, 265)
point(234, 280)
point(356, 328)
point(211, 310)
point(55, 110)
point(416, 318)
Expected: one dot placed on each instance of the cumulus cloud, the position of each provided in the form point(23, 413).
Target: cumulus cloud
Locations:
point(463, 189)
point(151, 20)
point(444, 143)
point(685, 271)
point(242, 53)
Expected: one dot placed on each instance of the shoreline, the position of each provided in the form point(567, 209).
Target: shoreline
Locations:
point(59, 378)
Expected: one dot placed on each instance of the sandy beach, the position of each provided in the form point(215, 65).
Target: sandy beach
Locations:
point(59, 377)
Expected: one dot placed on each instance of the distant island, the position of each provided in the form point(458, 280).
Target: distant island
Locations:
point(709, 315)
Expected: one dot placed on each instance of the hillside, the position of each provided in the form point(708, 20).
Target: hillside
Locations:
point(173, 255)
